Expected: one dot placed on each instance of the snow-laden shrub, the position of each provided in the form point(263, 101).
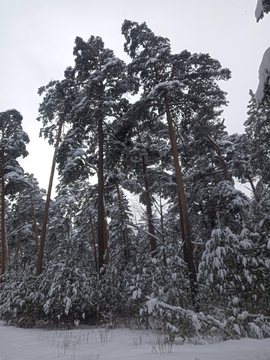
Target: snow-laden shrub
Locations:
point(228, 272)
point(62, 294)
point(20, 299)
point(180, 322)
point(233, 292)
point(68, 291)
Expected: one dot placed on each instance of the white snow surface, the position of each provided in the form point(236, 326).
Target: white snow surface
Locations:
point(117, 344)
point(259, 10)
point(264, 76)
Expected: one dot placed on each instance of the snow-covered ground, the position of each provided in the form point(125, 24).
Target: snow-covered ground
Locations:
point(116, 344)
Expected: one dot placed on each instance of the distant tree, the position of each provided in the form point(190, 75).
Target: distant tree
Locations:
point(257, 130)
point(25, 221)
point(13, 142)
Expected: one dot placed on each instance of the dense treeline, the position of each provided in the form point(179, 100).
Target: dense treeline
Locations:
point(195, 259)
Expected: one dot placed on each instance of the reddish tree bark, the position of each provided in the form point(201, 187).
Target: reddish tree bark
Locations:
point(185, 226)
point(47, 205)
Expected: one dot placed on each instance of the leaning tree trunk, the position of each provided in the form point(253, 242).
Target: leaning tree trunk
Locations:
point(185, 226)
point(47, 205)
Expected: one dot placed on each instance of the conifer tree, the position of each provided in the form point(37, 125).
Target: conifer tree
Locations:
point(13, 142)
point(147, 149)
point(56, 104)
point(25, 220)
point(101, 82)
point(180, 85)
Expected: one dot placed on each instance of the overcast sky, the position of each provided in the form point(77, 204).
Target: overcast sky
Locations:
point(37, 39)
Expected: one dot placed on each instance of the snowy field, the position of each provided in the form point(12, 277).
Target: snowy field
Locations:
point(116, 344)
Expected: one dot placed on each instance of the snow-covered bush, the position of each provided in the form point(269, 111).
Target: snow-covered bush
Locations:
point(20, 300)
point(68, 291)
point(62, 294)
point(225, 267)
point(176, 321)
point(233, 280)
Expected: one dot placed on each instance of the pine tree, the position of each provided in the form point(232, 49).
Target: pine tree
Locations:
point(180, 86)
point(147, 148)
point(25, 221)
point(56, 104)
point(101, 81)
point(13, 145)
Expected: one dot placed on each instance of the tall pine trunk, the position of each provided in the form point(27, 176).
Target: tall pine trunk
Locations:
point(101, 210)
point(3, 233)
point(47, 205)
point(185, 225)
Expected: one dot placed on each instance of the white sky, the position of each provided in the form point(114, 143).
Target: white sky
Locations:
point(37, 39)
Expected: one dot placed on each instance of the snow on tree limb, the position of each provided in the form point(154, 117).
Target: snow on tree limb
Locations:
point(259, 10)
point(264, 77)
point(263, 6)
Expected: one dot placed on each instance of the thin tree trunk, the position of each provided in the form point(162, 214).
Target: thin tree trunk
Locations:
point(252, 185)
point(202, 211)
point(35, 227)
point(223, 164)
point(47, 205)
point(124, 240)
point(162, 225)
point(148, 203)
point(94, 241)
point(185, 226)
point(3, 233)
point(69, 235)
point(93, 235)
point(101, 232)
point(149, 209)
point(105, 226)
point(253, 188)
